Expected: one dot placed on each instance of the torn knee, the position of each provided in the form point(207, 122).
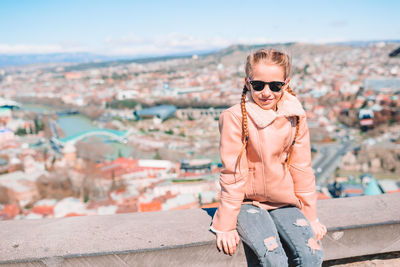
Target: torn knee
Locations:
point(313, 244)
point(301, 222)
point(270, 243)
point(253, 211)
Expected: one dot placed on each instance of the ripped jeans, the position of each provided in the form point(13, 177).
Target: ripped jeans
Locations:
point(280, 237)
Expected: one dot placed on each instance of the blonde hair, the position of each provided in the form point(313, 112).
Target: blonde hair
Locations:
point(272, 57)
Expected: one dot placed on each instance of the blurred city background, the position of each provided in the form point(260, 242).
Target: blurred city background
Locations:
point(112, 106)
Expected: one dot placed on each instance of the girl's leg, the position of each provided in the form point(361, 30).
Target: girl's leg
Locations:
point(295, 231)
point(260, 237)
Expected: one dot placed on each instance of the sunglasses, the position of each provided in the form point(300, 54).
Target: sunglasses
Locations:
point(273, 86)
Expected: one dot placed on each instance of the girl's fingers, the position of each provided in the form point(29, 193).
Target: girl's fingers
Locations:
point(219, 243)
point(318, 234)
point(323, 230)
point(231, 246)
point(237, 238)
point(228, 242)
point(225, 244)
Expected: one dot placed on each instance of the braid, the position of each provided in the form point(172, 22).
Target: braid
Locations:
point(245, 130)
point(289, 90)
point(244, 114)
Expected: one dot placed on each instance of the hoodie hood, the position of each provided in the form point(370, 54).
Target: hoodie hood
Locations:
point(288, 106)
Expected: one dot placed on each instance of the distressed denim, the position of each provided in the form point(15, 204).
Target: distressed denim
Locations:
point(279, 237)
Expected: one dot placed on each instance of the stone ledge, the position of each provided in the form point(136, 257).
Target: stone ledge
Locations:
point(356, 226)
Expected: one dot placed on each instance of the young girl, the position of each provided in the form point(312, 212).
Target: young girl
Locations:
point(268, 195)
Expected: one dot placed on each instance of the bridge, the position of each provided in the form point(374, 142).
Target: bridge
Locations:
point(7, 103)
point(120, 136)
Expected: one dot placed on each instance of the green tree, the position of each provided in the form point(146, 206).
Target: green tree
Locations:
point(20, 131)
point(157, 156)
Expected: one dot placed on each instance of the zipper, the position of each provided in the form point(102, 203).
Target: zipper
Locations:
point(252, 183)
point(290, 138)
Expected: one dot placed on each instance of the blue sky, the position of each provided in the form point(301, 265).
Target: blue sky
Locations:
point(119, 27)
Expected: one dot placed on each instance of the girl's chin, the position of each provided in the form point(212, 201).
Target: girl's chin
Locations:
point(264, 105)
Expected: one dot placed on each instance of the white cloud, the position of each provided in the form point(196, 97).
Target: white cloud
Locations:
point(40, 49)
point(128, 39)
point(171, 43)
point(133, 45)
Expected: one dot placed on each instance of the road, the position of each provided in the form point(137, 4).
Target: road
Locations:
point(330, 156)
point(328, 159)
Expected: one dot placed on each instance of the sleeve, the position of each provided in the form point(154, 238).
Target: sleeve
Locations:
point(302, 173)
point(232, 180)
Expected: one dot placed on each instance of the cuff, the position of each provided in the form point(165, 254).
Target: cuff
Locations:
point(215, 231)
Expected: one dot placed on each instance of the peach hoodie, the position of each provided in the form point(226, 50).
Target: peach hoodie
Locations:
point(264, 178)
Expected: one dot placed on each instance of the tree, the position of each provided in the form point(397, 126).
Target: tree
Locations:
point(93, 149)
point(157, 156)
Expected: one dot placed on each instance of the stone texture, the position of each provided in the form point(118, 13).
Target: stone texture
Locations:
point(356, 226)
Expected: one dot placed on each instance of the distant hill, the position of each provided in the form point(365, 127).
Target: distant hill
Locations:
point(86, 60)
point(116, 62)
point(246, 48)
point(366, 43)
point(82, 60)
point(25, 59)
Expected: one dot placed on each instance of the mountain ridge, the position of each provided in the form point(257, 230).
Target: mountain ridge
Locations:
point(82, 60)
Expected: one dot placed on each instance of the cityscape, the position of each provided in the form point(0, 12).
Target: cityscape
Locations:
point(127, 136)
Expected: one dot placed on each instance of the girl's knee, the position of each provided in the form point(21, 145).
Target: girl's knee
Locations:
point(272, 254)
point(274, 259)
point(311, 256)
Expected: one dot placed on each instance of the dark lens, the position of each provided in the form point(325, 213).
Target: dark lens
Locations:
point(275, 86)
point(257, 85)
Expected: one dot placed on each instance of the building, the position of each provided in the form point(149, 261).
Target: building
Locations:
point(162, 112)
point(198, 113)
point(127, 94)
point(195, 166)
point(366, 119)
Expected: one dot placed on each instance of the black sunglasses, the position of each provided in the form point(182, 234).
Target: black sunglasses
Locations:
point(273, 86)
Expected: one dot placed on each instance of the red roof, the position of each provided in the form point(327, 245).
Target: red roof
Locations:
point(345, 104)
point(11, 209)
point(211, 205)
point(126, 163)
point(44, 210)
point(150, 206)
point(369, 93)
point(353, 191)
point(322, 196)
point(121, 166)
point(393, 191)
point(72, 214)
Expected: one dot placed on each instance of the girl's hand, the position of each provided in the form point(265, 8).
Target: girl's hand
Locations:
point(319, 229)
point(229, 241)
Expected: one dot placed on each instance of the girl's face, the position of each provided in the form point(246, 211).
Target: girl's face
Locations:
point(267, 99)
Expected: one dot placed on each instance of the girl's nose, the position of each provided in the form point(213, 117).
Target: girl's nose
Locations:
point(266, 92)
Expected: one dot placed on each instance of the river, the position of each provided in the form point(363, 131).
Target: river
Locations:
point(74, 124)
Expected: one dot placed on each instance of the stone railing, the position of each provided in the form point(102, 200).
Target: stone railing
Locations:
point(356, 226)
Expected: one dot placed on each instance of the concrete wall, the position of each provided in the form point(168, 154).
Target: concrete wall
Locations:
point(356, 226)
